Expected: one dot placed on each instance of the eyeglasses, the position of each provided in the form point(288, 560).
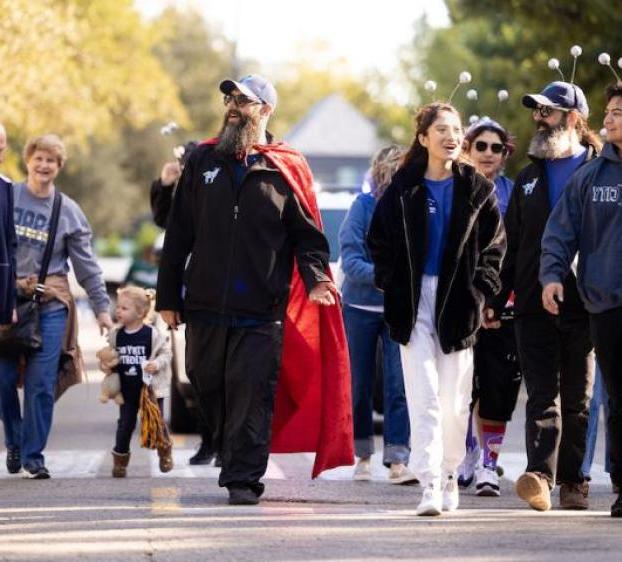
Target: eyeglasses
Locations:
point(545, 110)
point(240, 100)
point(496, 147)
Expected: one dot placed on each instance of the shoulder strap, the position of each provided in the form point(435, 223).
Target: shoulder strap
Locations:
point(49, 246)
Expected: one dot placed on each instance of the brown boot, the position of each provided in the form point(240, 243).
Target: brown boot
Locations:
point(166, 458)
point(119, 464)
point(534, 489)
point(573, 496)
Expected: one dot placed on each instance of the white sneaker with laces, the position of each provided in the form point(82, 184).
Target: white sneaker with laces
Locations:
point(362, 471)
point(451, 494)
point(432, 501)
point(487, 482)
point(399, 473)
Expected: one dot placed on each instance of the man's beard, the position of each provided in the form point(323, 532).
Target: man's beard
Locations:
point(237, 138)
point(550, 143)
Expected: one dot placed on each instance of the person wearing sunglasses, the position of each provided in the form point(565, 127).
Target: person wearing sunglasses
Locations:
point(246, 263)
point(496, 376)
point(555, 353)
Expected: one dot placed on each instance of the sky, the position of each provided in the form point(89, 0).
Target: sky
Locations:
point(367, 34)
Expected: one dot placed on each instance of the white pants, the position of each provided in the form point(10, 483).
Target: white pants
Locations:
point(438, 392)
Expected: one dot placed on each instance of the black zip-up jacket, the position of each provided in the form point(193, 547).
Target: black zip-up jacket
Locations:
point(525, 221)
point(161, 198)
point(8, 245)
point(470, 264)
point(243, 240)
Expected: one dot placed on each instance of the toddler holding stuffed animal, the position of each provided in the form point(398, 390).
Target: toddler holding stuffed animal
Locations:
point(143, 356)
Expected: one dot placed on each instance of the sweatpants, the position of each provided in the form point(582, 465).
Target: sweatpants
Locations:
point(438, 392)
point(234, 372)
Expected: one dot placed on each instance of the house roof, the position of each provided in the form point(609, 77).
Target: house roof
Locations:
point(334, 127)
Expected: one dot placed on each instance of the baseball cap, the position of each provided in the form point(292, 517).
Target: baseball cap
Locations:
point(559, 95)
point(253, 86)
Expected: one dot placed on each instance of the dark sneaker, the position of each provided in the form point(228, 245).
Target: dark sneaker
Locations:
point(204, 455)
point(242, 496)
point(616, 508)
point(13, 460)
point(534, 489)
point(573, 496)
point(218, 461)
point(37, 473)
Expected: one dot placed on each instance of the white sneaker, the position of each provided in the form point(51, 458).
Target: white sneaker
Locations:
point(362, 471)
point(400, 474)
point(466, 470)
point(432, 501)
point(486, 482)
point(451, 494)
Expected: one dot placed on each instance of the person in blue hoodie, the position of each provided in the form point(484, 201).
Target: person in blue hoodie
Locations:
point(364, 323)
point(7, 243)
point(588, 220)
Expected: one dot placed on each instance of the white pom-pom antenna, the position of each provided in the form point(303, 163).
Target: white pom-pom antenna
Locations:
point(620, 62)
point(429, 86)
point(605, 60)
point(471, 94)
point(169, 128)
point(473, 119)
point(576, 52)
point(463, 78)
point(554, 65)
point(503, 95)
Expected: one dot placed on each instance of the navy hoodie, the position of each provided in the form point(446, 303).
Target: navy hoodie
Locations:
point(7, 252)
point(588, 220)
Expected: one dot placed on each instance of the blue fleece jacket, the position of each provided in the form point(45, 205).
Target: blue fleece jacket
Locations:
point(358, 286)
point(588, 219)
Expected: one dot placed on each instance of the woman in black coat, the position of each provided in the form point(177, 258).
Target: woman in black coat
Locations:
point(437, 242)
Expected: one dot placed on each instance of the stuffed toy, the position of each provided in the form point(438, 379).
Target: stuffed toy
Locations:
point(111, 385)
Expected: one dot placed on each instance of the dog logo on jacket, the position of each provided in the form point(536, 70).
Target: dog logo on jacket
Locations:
point(210, 175)
point(529, 187)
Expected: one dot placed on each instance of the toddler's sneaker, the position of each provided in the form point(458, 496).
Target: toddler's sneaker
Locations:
point(362, 471)
point(432, 500)
point(487, 482)
point(400, 474)
point(451, 494)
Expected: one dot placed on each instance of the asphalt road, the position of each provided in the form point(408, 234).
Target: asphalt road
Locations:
point(83, 514)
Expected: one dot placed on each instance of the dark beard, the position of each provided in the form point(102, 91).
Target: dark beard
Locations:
point(550, 143)
point(237, 138)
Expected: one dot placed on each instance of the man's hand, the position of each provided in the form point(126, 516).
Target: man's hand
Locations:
point(105, 322)
point(324, 293)
point(552, 295)
point(172, 318)
point(489, 322)
point(151, 367)
point(170, 173)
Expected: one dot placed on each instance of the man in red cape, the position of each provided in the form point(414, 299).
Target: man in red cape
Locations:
point(244, 172)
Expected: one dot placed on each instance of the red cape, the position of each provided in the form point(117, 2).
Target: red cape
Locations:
point(313, 407)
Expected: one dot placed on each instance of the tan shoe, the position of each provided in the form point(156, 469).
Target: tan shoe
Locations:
point(166, 458)
point(119, 464)
point(400, 474)
point(534, 489)
point(573, 496)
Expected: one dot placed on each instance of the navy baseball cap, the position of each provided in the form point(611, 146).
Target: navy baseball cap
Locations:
point(559, 95)
point(253, 86)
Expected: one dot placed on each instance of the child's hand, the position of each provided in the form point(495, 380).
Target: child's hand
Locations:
point(151, 367)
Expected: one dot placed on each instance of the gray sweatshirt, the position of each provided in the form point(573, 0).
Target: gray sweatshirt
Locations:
point(73, 240)
point(588, 219)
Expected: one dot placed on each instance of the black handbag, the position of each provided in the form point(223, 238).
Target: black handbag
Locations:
point(24, 337)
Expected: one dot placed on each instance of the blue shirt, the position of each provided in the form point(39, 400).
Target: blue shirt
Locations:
point(503, 190)
point(240, 167)
point(440, 196)
point(558, 173)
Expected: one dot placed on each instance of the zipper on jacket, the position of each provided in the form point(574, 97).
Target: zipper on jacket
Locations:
point(236, 212)
point(410, 265)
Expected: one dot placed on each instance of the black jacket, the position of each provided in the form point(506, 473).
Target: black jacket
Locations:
point(471, 261)
point(161, 198)
point(8, 243)
point(243, 240)
point(525, 221)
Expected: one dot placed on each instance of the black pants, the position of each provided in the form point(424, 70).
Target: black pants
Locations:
point(606, 329)
point(496, 373)
point(558, 368)
point(128, 413)
point(234, 372)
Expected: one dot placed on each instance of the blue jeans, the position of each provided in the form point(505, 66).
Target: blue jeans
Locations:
point(599, 399)
point(31, 433)
point(363, 328)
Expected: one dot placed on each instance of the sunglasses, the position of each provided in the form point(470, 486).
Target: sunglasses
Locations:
point(545, 110)
point(240, 100)
point(495, 147)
